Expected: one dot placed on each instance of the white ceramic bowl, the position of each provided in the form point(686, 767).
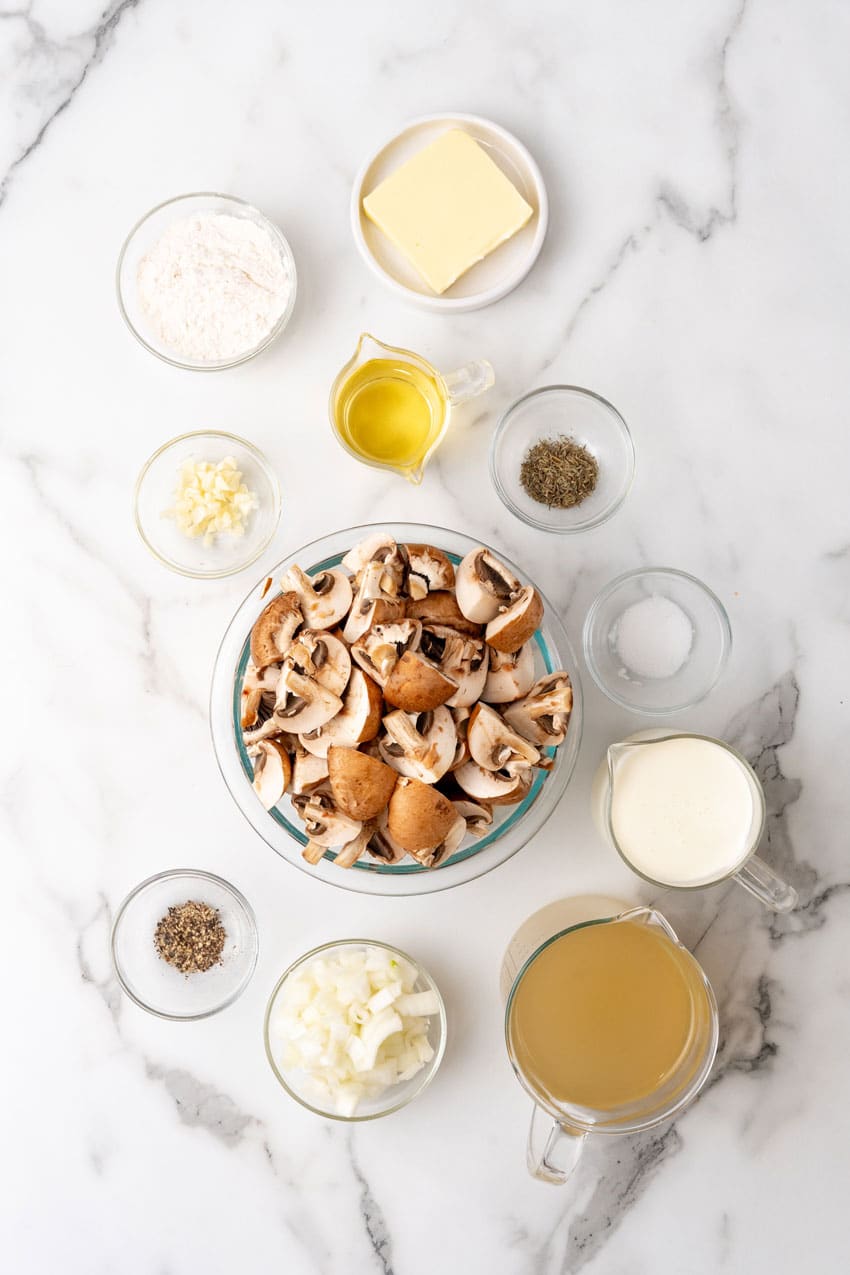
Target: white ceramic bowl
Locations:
point(504, 268)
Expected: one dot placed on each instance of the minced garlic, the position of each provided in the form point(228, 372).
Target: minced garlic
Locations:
point(212, 499)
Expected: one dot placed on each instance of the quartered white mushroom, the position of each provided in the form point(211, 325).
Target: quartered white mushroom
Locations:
point(324, 599)
point(272, 771)
point(274, 629)
point(380, 548)
point(544, 714)
point(257, 697)
point(478, 815)
point(308, 771)
point(495, 746)
point(464, 659)
point(358, 720)
point(380, 649)
point(493, 786)
point(518, 623)
point(510, 676)
point(484, 586)
point(318, 654)
point(420, 746)
point(371, 604)
point(429, 569)
point(303, 704)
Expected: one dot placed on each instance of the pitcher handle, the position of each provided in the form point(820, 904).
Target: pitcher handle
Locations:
point(553, 1151)
point(767, 887)
point(469, 381)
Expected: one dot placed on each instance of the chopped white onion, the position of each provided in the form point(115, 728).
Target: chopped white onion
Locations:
point(354, 1025)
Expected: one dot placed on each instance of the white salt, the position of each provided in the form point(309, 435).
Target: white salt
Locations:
point(653, 637)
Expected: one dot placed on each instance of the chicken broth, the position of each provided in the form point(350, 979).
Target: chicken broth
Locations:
point(608, 1015)
point(390, 411)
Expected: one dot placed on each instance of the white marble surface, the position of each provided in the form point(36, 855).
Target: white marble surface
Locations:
point(697, 273)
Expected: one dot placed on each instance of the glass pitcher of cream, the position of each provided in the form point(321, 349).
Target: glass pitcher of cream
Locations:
point(686, 811)
point(611, 1026)
point(390, 408)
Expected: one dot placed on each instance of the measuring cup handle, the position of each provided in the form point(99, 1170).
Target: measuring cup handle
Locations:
point(469, 381)
point(767, 887)
point(553, 1151)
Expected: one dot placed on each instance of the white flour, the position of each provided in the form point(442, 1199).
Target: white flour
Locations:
point(213, 286)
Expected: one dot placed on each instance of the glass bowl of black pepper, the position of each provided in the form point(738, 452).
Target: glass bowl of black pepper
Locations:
point(184, 944)
point(562, 459)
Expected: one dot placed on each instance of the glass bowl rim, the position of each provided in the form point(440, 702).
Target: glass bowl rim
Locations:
point(269, 473)
point(197, 874)
point(321, 546)
point(625, 435)
point(428, 1072)
point(607, 592)
point(285, 251)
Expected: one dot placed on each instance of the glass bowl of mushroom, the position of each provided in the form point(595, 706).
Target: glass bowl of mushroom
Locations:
point(396, 708)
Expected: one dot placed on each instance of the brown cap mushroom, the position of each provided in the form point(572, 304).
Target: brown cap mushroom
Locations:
point(325, 599)
point(381, 844)
point(371, 604)
point(272, 771)
point(420, 818)
point(493, 786)
point(510, 676)
point(380, 649)
point(429, 569)
point(324, 823)
point(274, 629)
point(303, 704)
point(319, 654)
point(421, 746)
point(484, 586)
point(308, 771)
point(358, 720)
point(518, 623)
point(544, 714)
point(495, 746)
point(361, 785)
point(442, 608)
point(257, 697)
point(379, 548)
point(417, 685)
point(464, 659)
point(478, 815)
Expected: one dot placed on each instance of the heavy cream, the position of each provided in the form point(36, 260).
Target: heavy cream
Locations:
point(682, 810)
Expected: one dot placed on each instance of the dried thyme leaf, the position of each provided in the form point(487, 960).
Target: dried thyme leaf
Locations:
point(559, 472)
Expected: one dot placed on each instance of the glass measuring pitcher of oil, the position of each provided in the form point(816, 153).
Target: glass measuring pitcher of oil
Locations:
point(611, 1026)
point(390, 408)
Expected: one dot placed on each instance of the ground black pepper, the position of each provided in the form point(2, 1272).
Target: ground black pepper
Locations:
point(190, 937)
point(559, 472)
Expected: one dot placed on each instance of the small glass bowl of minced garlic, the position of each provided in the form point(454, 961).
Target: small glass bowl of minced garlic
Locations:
point(562, 459)
point(207, 504)
point(184, 944)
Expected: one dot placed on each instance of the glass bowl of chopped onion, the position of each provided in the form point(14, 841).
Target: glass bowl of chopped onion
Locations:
point(207, 504)
point(184, 944)
point(562, 459)
point(355, 1029)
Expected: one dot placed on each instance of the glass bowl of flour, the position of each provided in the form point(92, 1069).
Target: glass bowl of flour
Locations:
point(205, 282)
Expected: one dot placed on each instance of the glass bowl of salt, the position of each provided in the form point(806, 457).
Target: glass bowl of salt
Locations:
point(656, 640)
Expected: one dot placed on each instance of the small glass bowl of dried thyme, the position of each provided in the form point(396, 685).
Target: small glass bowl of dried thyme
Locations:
point(562, 459)
point(184, 944)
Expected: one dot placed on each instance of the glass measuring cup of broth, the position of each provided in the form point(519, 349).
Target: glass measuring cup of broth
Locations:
point(611, 1026)
point(390, 408)
point(686, 811)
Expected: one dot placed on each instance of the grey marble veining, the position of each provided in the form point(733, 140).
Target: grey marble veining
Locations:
point(696, 273)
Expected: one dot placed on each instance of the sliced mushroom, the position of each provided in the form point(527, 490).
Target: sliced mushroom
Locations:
point(318, 654)
point(324, 822)
point(308, 771)
point(441, 854)
point(421, 746)
point(464, 659)
point(380, 649)
point(380, 548)
point(429, 569)
point(303, 704)
point(325, 599)
point(257, 698)
point(484, 586)
point(352, 850)
point(361, 785)
point(272, 771)
point(460, 716)
point(274, 629)
point(442, 608)
point(495, 746)
point(510, 676)
point(421, 819)
point(543, 716)
point(478, 816)
point(518, 624)
point(381, 844)
point(371, 604)
point(417, 685)
point(358, 720)
point(495, 787)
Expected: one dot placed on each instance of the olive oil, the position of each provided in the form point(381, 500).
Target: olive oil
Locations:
point(608, 1015)
point(390, 411)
